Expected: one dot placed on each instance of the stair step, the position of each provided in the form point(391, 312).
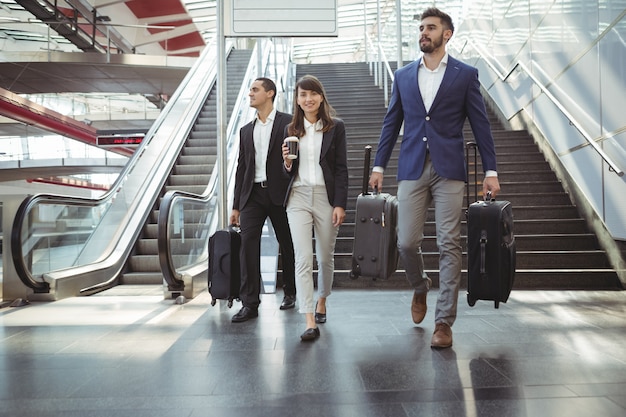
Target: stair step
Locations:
point(523, 242)
point(525, 279)
point(145, 263)
point(194, 189)
point(195, 179)
point(191, 169)
point(142, 278)
point(595, 259)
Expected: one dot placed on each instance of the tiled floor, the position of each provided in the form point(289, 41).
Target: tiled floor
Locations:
point(127, 352)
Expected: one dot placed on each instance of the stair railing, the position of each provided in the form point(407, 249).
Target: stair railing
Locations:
point(381, 78)
point(489, 60)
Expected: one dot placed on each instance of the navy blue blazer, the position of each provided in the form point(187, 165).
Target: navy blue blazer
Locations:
point(439, 130)
point(334, 163)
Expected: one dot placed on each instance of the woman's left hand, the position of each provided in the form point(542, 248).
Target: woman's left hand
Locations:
point(339, 214)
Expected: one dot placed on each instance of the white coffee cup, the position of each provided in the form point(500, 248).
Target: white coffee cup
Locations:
point(292, 143)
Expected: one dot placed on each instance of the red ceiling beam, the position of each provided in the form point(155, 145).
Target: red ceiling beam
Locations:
point(18, 108)
point(72, 182)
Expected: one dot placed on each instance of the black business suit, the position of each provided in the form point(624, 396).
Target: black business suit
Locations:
point(255, 204)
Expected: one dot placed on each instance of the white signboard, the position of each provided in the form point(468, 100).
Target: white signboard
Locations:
point(280, 18)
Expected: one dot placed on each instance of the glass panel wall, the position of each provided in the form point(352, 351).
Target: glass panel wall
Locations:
point(576, 50)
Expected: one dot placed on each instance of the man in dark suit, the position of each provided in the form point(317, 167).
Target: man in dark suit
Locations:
point(433, 96)
point(260, 189)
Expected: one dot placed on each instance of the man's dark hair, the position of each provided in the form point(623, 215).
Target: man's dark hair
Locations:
point(446, 20)
point(268, 85)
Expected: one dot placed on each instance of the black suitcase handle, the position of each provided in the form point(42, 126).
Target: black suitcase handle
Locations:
point(366, 169)
point(469, 146)
point(488, 197)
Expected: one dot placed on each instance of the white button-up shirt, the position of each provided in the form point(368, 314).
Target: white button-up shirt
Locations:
point(261, 136)
point(430, 81)
point(310, 172)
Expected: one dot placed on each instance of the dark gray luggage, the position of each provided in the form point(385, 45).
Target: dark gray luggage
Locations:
point(375, 250)
point(490, 246)
point(224, 268)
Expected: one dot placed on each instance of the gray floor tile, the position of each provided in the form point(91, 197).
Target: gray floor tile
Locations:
point(118, 354)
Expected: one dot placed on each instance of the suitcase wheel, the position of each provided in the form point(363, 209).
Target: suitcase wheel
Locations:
point(213, 301)
point(471, 301)
point(353, 275)
point(230, 303)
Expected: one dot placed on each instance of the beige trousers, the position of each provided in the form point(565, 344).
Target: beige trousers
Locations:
point(309, 212)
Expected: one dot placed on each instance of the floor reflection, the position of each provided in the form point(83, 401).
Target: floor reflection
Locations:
point(116, 354)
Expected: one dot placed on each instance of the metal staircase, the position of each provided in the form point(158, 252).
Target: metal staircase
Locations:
point(555, 249)
point(191, 173)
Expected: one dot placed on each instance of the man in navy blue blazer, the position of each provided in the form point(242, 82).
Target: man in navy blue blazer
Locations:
point(433, 96)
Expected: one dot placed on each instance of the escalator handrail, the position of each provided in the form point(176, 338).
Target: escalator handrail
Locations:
point(22, 213)
point(168, 269)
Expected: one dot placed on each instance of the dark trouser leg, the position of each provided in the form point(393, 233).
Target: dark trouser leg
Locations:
point(278, 216)
point(252, 219)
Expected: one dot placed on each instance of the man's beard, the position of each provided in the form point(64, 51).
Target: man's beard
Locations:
point(430, 47)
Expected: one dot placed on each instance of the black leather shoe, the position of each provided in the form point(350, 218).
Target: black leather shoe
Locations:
point(310, 334)
point(245, 314)
point(289, 301)
point(319, 317)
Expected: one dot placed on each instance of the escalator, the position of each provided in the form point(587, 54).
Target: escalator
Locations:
point(65, 246)
point(191, 173)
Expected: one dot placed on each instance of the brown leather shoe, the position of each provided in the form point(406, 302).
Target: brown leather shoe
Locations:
point(418, 307)
point(442, 337)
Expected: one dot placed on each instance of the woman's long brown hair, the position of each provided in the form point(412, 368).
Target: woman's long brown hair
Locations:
point(325, 112)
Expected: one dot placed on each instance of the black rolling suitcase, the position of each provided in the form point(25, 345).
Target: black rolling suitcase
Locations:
point(490, 245)
point(375, 251)
point(224, 268)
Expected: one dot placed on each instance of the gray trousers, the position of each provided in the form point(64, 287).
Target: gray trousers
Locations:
point(414, 198)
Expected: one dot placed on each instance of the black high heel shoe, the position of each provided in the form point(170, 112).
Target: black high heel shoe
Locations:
point(319, 317)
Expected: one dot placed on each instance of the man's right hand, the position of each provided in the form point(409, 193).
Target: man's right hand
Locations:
point(234, 217)
point(376, 181)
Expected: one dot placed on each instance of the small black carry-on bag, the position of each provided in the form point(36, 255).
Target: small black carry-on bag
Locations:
point(375, 251)
point(224, 269)
point(490, 245)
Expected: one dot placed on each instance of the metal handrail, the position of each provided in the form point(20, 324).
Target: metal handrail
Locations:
point(172, 277)
point(381, 59)
point(241, 115)
point(504, 77)
point(22, 214)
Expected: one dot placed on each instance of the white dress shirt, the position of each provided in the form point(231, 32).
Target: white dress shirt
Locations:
point(430, 81)
point(310, 172)
point(261, 136)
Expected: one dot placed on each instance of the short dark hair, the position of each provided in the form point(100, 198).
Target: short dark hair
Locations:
point(268, 85)
point(446, 20)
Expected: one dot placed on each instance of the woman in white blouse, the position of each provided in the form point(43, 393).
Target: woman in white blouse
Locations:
point(317, 196)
